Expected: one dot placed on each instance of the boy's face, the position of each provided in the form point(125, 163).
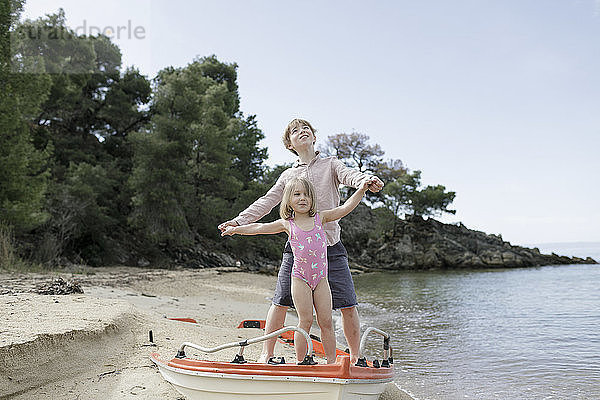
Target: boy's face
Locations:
point(301, 136)
point(300, 199)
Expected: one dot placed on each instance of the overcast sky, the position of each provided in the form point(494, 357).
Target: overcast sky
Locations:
point(497, 100)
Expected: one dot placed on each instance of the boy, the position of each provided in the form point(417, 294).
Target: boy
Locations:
point(326, 174)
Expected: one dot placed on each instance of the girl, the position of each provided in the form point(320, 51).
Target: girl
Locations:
point(304, 225)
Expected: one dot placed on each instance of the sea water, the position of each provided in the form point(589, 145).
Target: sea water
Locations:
point(527, 333)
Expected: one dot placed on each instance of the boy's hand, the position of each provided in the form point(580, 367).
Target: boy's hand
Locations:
point(375, 184)
point(226, 224)
point(228, 231)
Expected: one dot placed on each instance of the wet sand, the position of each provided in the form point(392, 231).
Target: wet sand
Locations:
point(96, 345)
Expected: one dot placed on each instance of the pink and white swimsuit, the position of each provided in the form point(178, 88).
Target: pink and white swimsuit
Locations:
point(310, 252)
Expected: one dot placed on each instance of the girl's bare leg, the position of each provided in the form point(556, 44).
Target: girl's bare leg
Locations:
point(322, 301)
point(302, 296)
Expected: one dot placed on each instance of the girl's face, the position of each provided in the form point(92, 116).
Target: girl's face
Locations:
point(300, 201)
point(301, 136)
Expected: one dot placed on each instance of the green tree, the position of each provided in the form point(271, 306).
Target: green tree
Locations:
point(390, 170)
point(404, 195)
point(83, 220)
point(432, 201)
point(200, 153)
point(86, 116)
point(397, 192)
point(159, 186)
point(248, 158)
point(23, 172)
point(354, 149)
point(91, 103)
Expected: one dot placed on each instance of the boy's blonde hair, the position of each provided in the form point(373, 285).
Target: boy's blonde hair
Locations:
point(288, 130)
point(285, 209)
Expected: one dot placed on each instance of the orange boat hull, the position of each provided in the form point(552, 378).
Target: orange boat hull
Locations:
point(222, 380)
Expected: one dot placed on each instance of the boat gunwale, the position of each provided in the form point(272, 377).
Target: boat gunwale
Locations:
point(317, 379)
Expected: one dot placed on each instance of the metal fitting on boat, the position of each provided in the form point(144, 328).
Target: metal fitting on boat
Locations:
point(239, 359)
point(276, 360)
point(387, 349)
point(308, 360)
point(361, 362)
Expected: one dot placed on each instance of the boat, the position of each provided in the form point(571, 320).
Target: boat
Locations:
point(240, 379)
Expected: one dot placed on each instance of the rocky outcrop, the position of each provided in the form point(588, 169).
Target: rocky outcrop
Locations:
point(375, 240)
point(206, 254)
point(429, 244)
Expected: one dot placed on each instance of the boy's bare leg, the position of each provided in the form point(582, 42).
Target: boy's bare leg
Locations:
point(275, 320)
point(351, 326)
point(322, 301)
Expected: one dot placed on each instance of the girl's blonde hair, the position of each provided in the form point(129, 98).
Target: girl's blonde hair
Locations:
point(285, 209)
point(288, 130)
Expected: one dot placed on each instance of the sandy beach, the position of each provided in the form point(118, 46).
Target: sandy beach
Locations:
point(96, 345)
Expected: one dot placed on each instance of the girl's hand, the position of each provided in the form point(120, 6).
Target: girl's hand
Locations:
point(226, 224)
point(228, 231)
point(364, 185)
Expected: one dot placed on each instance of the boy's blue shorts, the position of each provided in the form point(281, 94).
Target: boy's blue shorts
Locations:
point(338, 275)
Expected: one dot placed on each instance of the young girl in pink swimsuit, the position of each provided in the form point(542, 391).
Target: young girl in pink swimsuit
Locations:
point(304, 225)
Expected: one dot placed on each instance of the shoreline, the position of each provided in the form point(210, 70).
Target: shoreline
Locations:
point(96, 345)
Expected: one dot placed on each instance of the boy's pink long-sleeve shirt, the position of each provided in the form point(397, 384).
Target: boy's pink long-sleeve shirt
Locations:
point(325, 173)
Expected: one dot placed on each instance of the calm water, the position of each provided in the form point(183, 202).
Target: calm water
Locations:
point(494, 334)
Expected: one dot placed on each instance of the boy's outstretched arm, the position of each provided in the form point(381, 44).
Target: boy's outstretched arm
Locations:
point(349, 205)
point(256, 229)
point(260, 207)
point(351, 177)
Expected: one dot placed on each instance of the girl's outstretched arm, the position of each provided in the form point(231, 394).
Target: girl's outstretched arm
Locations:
point(260, 207)
point(257, 228)
point(349, 205)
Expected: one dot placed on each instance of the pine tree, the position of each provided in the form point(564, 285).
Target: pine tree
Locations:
point(23, 87)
